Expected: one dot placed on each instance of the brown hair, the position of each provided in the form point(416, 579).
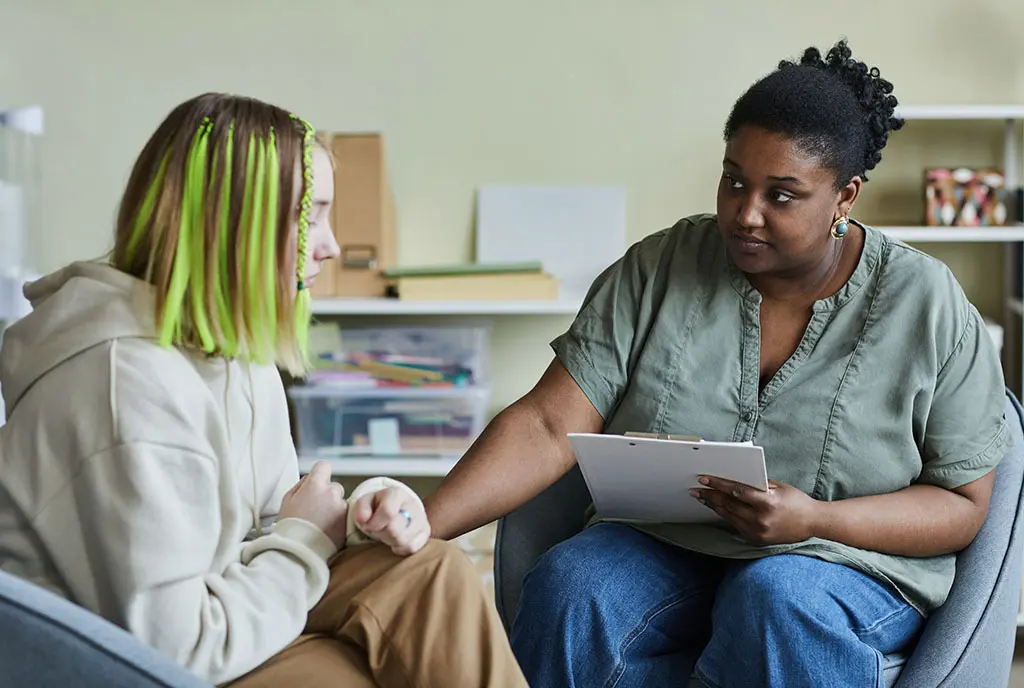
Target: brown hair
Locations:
point(207, 218)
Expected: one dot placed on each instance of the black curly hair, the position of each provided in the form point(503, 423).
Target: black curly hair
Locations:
point(836, 108)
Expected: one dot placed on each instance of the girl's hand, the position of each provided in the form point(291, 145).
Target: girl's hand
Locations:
point(782, 515)
point(319, 500)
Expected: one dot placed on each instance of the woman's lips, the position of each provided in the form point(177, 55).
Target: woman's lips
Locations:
point(749, 243)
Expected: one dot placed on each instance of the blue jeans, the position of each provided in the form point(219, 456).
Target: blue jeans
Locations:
point(615, 607)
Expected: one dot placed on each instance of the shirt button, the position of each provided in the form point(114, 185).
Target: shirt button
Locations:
point(748, 416)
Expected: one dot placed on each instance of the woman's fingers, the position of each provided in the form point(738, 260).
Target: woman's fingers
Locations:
point(744, 493)
point(394, 519)
point(420, 541)
point(412, 539)
point(726, 506)
point(384, 506)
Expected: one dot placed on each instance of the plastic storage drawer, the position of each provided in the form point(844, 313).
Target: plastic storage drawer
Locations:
point(386, 422)
point(439, 356)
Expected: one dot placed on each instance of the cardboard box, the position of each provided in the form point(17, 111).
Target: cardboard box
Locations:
point(363, 219)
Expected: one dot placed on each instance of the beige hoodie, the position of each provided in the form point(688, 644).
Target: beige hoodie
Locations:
point(132, 477)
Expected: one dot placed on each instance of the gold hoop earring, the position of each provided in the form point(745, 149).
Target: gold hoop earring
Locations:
point(841, 227)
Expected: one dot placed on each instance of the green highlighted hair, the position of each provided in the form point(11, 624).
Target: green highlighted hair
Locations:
point(208, 218)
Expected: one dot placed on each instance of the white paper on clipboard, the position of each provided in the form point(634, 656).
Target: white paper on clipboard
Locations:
point(648, 480)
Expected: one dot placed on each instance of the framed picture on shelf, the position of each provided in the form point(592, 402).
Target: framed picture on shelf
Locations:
point(965, 197)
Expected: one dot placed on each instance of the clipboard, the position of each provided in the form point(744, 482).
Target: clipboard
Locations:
point(647, 479)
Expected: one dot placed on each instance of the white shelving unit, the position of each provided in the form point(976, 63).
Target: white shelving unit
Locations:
point(397, 307)
point(1012, 236)
point(962, 235)
point(1012, 116)
point(961, 112)
point(387, 306)
point(567, 307)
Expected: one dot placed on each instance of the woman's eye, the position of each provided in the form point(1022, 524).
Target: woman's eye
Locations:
point(732, 182)
point(782, 197)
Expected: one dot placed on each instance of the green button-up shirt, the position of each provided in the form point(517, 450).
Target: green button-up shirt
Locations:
point(895, 382)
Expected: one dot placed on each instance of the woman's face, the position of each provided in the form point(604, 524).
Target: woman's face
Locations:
point(777, 203)
point(320, 242)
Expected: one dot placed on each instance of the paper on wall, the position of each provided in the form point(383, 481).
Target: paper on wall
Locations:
point(574, 231)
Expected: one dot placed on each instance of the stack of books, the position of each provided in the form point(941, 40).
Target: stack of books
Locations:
point(472, 282)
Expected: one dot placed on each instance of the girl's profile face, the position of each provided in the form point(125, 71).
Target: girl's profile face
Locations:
point(320, 242)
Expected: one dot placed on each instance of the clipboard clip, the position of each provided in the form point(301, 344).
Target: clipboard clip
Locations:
point(663, 436)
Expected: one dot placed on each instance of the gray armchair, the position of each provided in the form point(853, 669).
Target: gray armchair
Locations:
point(967, 642)
point(48, 642)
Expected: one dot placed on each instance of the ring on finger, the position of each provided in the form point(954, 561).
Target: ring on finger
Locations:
point(407, 515)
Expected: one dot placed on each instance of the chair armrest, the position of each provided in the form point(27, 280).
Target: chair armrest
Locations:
point(47, 641)
point(969, 640)
point(556, 514)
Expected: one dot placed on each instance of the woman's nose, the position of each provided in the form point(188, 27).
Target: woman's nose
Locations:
point(750, 214)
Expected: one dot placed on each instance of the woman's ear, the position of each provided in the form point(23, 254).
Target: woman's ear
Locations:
point(848, 196)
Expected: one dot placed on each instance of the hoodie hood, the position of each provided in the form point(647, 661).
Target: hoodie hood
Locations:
point(73, 309)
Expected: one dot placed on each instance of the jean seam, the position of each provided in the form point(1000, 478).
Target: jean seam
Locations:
point(638, 630)
point(884, 620)
point(703, 678)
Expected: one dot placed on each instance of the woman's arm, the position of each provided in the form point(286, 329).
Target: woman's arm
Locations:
point(917, 521)
point(521, 452)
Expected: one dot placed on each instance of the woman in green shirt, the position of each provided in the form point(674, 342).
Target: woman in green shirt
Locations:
point(854, 360)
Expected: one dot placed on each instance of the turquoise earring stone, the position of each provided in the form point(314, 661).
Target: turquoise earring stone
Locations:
point(841, 229)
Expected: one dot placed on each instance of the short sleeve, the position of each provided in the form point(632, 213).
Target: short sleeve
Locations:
point(966, 434)
point(597, 348)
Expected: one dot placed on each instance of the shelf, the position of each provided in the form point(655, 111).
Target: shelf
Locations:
point(431, 466)
point(956, 234)
point(974, 112)
point(385, 306)
point(326, 390)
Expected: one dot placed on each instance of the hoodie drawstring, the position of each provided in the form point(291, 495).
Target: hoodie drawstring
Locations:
point(252, 452)
point(112, 397)
point(254, 507)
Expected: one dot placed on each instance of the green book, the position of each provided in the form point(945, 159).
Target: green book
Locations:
point(463, 269)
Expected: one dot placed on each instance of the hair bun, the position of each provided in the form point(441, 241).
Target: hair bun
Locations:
point(872, 92)
point(836, 107)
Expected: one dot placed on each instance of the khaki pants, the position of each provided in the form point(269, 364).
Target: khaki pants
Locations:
point(388, 621)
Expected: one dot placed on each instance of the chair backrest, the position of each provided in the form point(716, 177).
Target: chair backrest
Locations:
point(972, 632)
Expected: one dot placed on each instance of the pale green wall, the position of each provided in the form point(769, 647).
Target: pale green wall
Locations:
point(476, 91)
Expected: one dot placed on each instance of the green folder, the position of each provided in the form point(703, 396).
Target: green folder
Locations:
point(463, 269)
